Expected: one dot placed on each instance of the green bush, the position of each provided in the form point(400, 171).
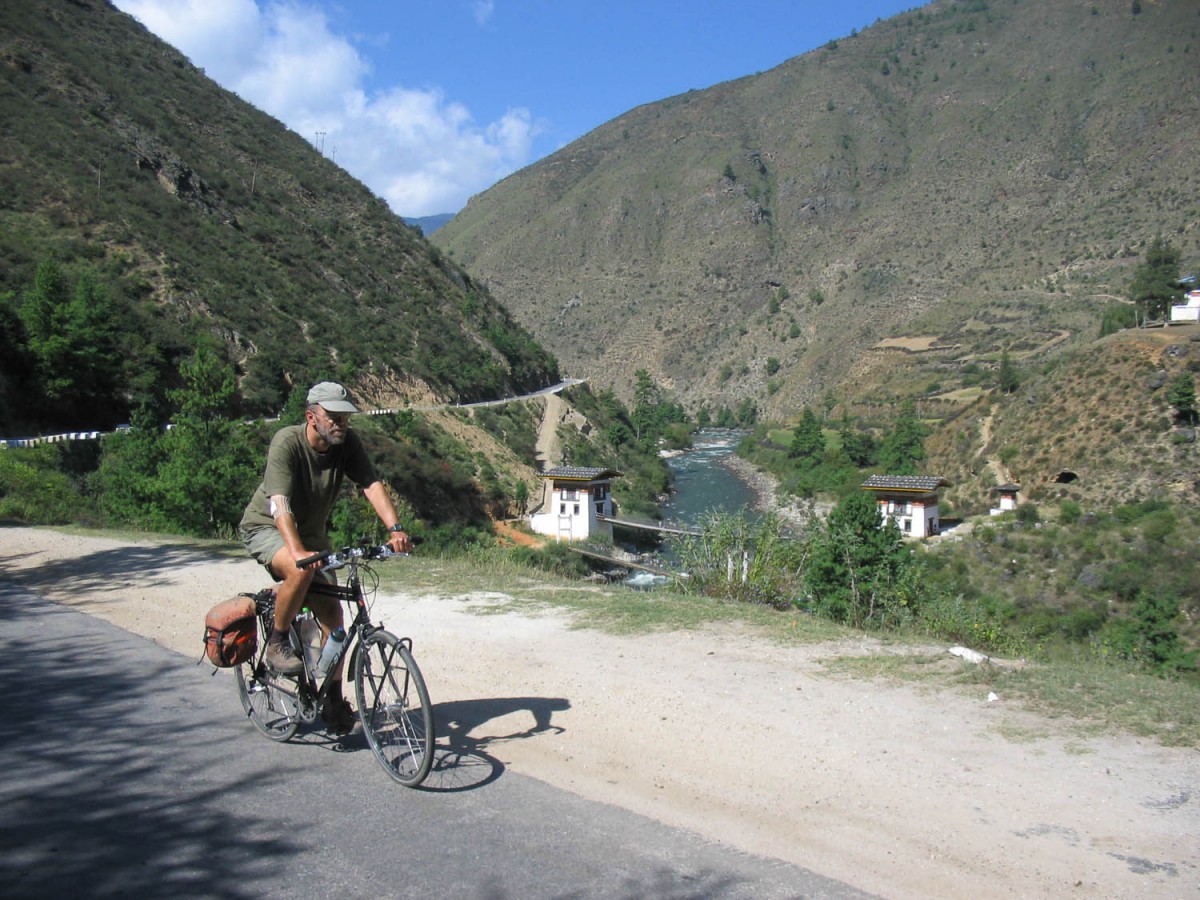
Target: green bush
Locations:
point(33, 489)
point(556, 559)
point(1158, 526)
point(858, 572)
point(1028, 514)
point(978, 623)
point(736, 559)
point(1149, 637)
point(1117, 317)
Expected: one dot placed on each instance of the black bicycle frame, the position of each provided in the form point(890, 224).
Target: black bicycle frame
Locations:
point(359, 628)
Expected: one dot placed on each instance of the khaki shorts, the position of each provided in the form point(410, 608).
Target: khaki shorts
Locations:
point(263, 543)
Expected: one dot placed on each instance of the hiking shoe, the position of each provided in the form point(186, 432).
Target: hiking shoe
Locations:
point(282, 658)
point(337, 715)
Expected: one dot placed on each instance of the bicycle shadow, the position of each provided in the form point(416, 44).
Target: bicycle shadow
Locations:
point(462, 761)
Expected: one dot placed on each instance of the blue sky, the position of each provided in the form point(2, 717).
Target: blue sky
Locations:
point(431, 101)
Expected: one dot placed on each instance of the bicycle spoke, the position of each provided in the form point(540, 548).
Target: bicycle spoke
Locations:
point(271, 708)
point(395, 710)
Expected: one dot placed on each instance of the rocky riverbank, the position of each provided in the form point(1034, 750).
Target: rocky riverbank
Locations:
point(770, 498)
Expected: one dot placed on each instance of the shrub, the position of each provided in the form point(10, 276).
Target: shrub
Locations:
point(976, 623)
point(1158, 526)
point(556, 558)
point(1149, 636)
point(1027, 513)
point(738, 560)
point(33, 490)
point(1117, 317)
point(858, 572)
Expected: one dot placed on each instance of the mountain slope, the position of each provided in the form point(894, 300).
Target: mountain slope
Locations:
point(980, 175)
point(206, 217)
point(1095, 426)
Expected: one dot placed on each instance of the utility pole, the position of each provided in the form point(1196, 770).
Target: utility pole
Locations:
point(320, 142)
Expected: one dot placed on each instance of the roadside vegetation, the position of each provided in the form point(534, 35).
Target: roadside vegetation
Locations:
point(1081, 683)
point(195, 477)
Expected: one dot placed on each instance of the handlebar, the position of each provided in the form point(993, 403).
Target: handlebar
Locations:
point(336, 559)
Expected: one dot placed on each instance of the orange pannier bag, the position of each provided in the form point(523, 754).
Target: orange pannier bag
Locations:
point(231, 631)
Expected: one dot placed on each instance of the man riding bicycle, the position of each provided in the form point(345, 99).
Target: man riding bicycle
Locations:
point(286, 520)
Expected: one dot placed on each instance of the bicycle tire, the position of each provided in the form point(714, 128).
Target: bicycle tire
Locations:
point(271, 705)
point(394, 707)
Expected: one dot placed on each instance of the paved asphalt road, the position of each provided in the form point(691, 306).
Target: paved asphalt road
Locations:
point(127, 770)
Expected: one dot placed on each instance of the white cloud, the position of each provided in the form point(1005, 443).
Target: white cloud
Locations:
point(220, 36)
point(483, 10)
point(420, 151)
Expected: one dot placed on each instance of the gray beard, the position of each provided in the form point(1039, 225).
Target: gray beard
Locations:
point(326, 434)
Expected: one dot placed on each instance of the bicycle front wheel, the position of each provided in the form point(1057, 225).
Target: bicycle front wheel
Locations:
point(270, 702)
point(394, 707)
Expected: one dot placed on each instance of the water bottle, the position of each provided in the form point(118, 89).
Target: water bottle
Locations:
point(309, 633)
point(332, 651)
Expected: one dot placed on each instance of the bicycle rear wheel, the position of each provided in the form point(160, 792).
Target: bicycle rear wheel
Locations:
point(270, 702)
point(394, 707)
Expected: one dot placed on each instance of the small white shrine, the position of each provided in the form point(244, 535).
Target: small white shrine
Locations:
point(574, 498)
point(1008, 498)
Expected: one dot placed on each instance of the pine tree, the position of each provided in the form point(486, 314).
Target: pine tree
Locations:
point(1155, 283)
point(857, 569)
point(71, 335)
point(1182, 396)
point(857, 444)
point(808, 443)
point(903, 447)
point(209, 466)
point(1008, 378)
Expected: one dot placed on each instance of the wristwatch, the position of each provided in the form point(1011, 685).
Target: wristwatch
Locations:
point(396, 527)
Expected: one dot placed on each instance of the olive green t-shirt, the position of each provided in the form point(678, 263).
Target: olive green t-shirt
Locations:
point(310, 480)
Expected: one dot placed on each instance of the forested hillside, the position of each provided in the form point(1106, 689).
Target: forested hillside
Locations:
point(144, 210)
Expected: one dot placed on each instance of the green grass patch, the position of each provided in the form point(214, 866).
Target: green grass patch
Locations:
point(915, 667)
point(1100, 696)
point(611, 608)
point(966, 395)
point(1020, 734)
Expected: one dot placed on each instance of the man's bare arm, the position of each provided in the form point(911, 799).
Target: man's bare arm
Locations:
point(381, 501)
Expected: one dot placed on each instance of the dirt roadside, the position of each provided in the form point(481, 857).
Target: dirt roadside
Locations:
point(884, 786)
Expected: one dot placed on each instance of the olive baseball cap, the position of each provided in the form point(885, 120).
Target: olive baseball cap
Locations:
point(332, 397)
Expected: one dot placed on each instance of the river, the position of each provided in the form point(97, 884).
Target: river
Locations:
point(703, 484)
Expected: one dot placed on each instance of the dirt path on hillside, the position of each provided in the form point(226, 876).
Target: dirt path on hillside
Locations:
point(998, 469)
point(547, 450)
point(890, 788)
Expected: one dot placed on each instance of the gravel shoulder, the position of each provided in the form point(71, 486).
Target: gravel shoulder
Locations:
point(889, 787)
